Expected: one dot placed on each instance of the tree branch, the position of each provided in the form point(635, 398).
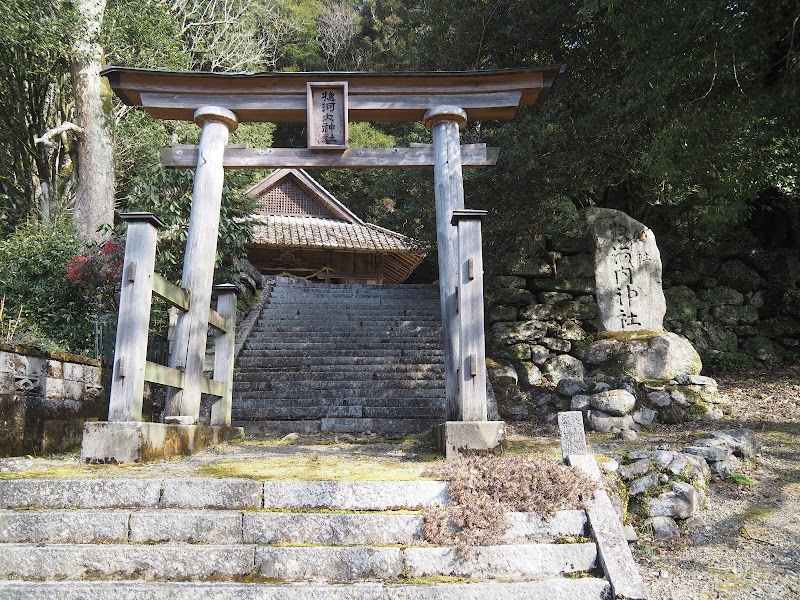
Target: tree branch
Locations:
point(65, 126)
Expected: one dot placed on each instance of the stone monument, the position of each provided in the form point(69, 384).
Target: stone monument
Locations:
point(627, 273)
point(638, 373)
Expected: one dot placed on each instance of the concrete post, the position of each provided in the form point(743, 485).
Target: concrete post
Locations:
point(136, 293)
point(472, 364)
point(191, 329)
point(224, 351)
point(444, 123)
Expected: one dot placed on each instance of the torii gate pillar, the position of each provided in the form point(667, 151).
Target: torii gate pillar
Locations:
point(191, 330)
point(467, 426)
point(444, 123)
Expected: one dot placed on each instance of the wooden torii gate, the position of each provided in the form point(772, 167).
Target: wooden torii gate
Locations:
point(327, 102)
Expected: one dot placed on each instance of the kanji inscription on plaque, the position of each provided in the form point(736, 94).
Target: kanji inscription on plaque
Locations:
point(327, 115)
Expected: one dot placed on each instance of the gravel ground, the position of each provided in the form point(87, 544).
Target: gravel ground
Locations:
point(744, 544)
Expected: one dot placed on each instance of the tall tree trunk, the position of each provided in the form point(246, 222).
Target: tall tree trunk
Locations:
point(94, 196)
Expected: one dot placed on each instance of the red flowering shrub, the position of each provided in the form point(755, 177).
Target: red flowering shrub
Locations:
point(97, 272)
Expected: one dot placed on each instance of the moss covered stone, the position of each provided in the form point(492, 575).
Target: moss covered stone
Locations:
point(643, 355)
point(681, 304)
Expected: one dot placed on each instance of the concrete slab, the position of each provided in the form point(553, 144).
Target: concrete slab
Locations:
point(163, 561)
point(333, 529)
point(452, 438)
point(530, 526)
point(354, 495)
point(574, 589)
point(212, 493)
point(106, 442)
point(63, 526)
point(519, 561)
point(79, 493)
point(329, 563)
point(185, 525)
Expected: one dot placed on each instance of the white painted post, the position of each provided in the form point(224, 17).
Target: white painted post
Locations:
point(136, 293)
point(444, 123)
point(224, 351)
point(191, 331)
point(472, 365)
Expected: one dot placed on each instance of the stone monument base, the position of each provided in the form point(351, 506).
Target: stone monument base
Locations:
point(107, 442)
point(454, 437)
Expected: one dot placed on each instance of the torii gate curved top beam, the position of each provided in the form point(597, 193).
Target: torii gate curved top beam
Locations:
point(376, 97)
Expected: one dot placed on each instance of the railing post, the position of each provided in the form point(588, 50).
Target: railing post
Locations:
point(444, 123)
point(127, 379)
point(224, 351)
point(191, 331)
point(472, 361)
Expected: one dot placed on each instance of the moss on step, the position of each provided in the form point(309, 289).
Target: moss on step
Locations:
point(433, 580)
point(317, 468)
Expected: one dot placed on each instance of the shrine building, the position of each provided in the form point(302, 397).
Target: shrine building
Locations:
point(302, 230)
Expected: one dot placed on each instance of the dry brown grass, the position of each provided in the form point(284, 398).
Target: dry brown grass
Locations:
point(484, 489)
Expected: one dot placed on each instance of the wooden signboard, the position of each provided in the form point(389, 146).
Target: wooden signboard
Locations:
point(327, 115)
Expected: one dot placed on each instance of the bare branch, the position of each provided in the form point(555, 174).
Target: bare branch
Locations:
point(48, 135)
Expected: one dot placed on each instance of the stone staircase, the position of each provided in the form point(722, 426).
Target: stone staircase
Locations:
point(342, 358)
point(182, 539)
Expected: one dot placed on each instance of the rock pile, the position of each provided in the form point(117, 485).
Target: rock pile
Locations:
point(664, 487)
point(722, 450)
point(614, 404)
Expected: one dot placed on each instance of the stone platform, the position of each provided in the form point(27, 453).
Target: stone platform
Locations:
point(106, 442)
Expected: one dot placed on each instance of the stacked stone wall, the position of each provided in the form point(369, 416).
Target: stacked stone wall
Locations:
point(738, 310)
point(46, 398)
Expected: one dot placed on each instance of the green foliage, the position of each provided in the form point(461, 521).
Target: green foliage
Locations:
point(35, 97)
point(740, 479)
point(142, 33)
point(168, 194)
point(33, 262)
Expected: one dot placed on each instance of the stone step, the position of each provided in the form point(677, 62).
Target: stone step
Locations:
point(342, 373)
point(272, 412)
point(371, 304)
point(261, 380)
point(430, 292)
point(331, 425)
point(253, 400)
point(362, 337)
point(586, 588)
point(188, 562)
point(356, 302)
point(367, 425)
point(85, 526)
point(332, 315)
point(324, 362)
point(412, 354)
point(312, 370)
point(331, 320)
point(218, 493)
point(286, 342)
point(252, 405)
point(368, 353)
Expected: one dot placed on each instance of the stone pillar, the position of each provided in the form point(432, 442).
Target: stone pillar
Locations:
point(224, 351)
point(444, 123)
point(136, 293)
point(472, 364)
point(191, 329)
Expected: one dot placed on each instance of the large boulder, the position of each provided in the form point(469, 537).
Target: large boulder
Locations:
point(646, 356)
